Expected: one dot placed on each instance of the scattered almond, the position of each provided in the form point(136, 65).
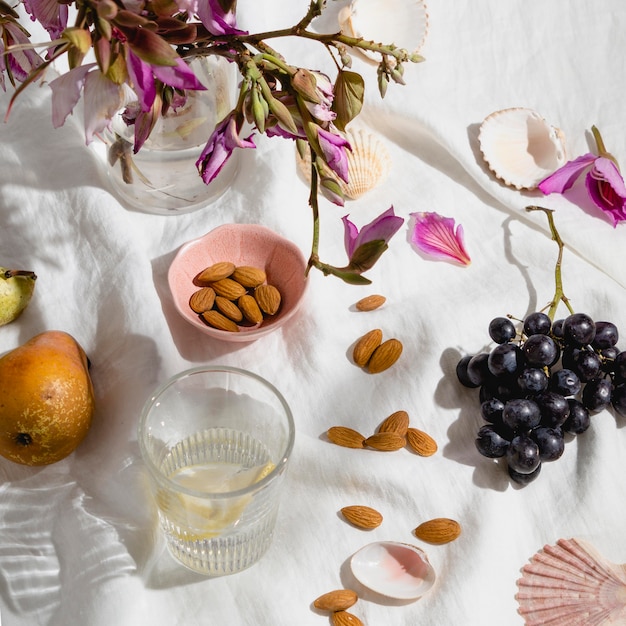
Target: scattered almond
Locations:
point(421, 442)
point(337, 600)
point(384, 356)
point(362, 516)
point(217, 320)
point(248, 276)
point(343, 618)
point(202, 300)
point(386, 442)
point(397, 422)
point(250, 309)
point(369, 303)
point(228, 288)
point(346, 437)
point(268, 298)
point(365, 346)
point(438, 531)
point(213, 273)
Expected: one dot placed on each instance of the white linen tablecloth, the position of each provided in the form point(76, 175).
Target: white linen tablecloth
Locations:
point(78, 544)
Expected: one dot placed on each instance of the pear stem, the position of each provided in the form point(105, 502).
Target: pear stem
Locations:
point(12, 273)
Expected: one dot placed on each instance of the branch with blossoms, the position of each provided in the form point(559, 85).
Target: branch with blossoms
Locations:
point(147, 46)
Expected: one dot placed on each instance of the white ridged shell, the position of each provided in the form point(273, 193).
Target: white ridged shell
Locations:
point(520, 147)
point(368, 164)
point(571, 584)
point(395, 570)
point(403, 23)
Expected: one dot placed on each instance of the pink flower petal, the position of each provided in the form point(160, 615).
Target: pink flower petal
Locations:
point(435, 236)
point(565, 176)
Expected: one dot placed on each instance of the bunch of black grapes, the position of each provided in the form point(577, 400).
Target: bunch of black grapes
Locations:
point(541, 383)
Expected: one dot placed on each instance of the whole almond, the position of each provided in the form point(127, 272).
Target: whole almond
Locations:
point(228, 288)
point(386, 442)
point(362, 516)
point(221, 322)
point(228, 308)
point(337, 600)
point(421, 442)
point(384, 356)
point(250, 309)
point(202, 300)
point(365, 346)
point(343, 618)
point(438, 531)
point(397, 422)
point(346, 437)
point(249, 276)
point(213, 273)
point(369, 303)
point(268, 298)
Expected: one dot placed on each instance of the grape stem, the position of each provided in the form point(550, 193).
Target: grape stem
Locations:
point(559, 296)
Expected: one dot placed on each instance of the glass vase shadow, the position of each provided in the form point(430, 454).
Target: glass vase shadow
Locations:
point(162, 177)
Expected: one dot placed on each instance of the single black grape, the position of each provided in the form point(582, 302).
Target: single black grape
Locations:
point(597, 394)
point(537, 323)
point(505, 359)
point(541, 350)
point(502, 388)
point(524, 479)
point(550, 441)
point(490, 443)
point(491, 410)
point(606, 335)
point(578, 329)
point(521, 414)
point(618, 398)
point(565, 382)
point(522, 455)
point(553, 407)
point(608, 358)
point(619, 365)
point(502, 329)
point(477, 370)
point(557, 329)
point(578, 420)
point(532, 380)
point(586, 364)
point(462, 373)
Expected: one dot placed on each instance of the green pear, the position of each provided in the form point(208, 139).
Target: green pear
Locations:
point(16, 290)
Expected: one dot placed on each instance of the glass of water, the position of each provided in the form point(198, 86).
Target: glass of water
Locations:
point(216, 441)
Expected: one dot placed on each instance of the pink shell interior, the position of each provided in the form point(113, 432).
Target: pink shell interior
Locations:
point(241, 244)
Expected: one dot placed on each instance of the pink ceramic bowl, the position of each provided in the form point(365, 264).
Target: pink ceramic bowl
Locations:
point(241, 244)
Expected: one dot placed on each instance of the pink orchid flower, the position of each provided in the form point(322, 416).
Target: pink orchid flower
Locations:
point(436, 236)
point(20, 62)
point(51, 14)
point(382, 228)
point(603, 181)
point(224, 139)
point(178, 75)
point(218, 17)
point(102, 98)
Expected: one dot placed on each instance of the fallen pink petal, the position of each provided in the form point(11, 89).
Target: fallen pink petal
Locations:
point(437, 237)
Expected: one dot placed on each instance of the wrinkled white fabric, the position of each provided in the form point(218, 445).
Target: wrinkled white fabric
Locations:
point(78, 544)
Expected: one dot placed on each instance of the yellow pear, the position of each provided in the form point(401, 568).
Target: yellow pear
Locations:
point(46, 399)
point(16, 290)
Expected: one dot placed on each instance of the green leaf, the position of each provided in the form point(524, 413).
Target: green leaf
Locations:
point(366, 255)
point(349, 93)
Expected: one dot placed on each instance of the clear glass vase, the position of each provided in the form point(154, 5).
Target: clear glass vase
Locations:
point(162, 177)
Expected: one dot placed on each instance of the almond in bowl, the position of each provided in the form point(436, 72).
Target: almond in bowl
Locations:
point(248, 266)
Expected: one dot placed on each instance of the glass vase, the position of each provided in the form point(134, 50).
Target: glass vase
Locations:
point(162, 177)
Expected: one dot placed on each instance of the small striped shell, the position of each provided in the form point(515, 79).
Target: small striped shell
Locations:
point(571, 584)
point(403, 23)
point(520, 147)
point(368, 164)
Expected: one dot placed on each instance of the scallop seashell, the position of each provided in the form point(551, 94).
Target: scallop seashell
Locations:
point(571, 584)
point(395, 570)
point(403, 23)
point(520, 147)
point(368, 164)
